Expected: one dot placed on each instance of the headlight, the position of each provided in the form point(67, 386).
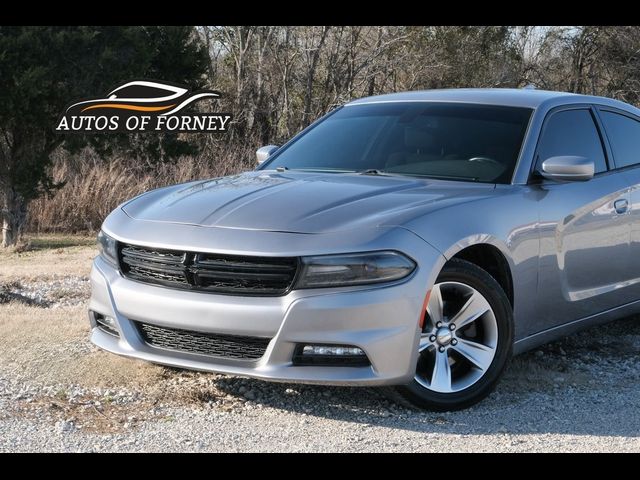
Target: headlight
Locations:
point(354, 269)
point(108, 248)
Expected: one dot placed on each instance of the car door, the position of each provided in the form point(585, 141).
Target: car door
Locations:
point(623, 131)
point(584, 227)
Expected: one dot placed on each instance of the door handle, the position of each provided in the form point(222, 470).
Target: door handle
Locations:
point(621, 205)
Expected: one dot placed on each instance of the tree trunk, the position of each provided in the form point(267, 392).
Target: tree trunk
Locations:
point(312, 64)
point(13, 216)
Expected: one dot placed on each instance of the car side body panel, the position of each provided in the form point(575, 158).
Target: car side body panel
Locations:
point(513, 231)
point(567, 248)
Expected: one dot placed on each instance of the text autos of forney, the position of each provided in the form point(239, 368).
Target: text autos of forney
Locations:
point(144, 106)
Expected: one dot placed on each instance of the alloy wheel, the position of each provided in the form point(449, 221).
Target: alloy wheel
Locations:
point(459, 338)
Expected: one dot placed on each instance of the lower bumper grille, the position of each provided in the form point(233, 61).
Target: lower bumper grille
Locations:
point(215, 345)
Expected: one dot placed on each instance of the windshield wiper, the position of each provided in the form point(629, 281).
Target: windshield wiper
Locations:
point(321, 170)
point(373, 171)
point(444, 177)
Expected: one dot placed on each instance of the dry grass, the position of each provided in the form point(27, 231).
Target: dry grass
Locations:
point(51, 346)
point(94, 186)
point(106, 418)
point(48, 256)
point(43, 347)
point(48, 346)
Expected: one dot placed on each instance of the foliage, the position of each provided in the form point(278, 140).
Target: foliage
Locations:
point(278, 79)
point(275, 80)
point(45, 68)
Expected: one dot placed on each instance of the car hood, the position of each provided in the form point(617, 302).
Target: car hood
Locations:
point(301, 202)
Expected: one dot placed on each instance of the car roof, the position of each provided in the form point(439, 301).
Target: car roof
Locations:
point(512, 97)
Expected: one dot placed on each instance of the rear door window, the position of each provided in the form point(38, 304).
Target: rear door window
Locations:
point(624, 135)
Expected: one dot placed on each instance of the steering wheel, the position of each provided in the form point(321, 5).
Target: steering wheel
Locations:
point(485, 160)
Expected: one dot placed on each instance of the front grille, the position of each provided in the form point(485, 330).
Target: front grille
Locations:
point(216, 345)
point(210, 272)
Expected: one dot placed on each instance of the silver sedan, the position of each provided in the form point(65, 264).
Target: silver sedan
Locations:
point(417, 240)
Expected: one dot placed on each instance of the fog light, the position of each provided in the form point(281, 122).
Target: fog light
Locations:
point(107, 324)
point(331, 350)
point(330, 355)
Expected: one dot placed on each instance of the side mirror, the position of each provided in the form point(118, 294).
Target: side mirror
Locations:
point(568, 168)
point(265, 152)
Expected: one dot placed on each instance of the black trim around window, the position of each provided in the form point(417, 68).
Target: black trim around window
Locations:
point(604, 140)
point(624, 113)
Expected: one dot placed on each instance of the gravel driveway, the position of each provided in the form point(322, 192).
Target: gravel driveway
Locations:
point(59, 393)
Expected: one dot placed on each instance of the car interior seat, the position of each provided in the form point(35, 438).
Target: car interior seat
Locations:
point(420, 146)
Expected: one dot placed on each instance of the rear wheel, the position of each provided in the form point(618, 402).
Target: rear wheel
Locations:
point(466, 340)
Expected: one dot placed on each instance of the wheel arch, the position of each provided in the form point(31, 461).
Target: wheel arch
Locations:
point(489, 254)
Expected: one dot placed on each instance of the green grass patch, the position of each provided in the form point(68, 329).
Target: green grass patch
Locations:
point(55, 241)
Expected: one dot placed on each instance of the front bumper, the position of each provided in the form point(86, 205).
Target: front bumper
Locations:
point(382, 321)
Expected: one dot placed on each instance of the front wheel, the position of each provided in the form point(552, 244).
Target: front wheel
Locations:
point(466, 340)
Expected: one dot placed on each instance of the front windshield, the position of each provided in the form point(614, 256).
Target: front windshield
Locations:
point(465, 142)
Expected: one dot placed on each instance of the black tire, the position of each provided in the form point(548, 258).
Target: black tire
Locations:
point(461, 271)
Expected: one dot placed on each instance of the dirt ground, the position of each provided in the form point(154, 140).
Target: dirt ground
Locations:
point(60, 393)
